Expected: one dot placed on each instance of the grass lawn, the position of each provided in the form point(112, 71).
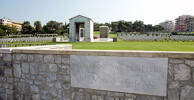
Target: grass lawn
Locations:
point(134, 45)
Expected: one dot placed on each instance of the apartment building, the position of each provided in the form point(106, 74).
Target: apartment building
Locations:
point(168, 26)
point(184, 23)
point(190, 24)
point(9, 22)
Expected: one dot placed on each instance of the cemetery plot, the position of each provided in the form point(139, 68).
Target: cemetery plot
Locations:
point(154, 37)
point(26, 39)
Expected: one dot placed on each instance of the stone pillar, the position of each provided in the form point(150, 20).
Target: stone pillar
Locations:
point(104, 31)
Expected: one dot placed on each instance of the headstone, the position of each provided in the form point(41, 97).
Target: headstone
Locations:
point(121, 74)
point(104, 31)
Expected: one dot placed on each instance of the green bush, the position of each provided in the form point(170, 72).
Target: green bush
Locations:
point(2, 32)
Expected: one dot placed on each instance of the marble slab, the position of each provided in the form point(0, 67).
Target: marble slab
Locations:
point(137, 75)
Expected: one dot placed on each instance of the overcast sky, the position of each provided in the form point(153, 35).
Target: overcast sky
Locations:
point(149, 11)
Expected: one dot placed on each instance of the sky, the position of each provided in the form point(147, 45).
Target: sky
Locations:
point(101, 11)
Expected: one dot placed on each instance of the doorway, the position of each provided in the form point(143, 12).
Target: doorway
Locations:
point(80, 31)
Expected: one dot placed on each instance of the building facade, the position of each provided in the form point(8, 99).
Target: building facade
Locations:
point(168, 26)
point(81, 29)
point(184, 23)
point(9, 22)
point(190, 24)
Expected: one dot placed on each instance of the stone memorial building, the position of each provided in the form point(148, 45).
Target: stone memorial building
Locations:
point(81, 29)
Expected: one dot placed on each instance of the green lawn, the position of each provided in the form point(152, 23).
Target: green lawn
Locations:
point(134, 45)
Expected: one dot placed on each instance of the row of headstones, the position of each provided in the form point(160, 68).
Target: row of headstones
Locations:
point(20, 45)
point(27, 39)
point(154, 37)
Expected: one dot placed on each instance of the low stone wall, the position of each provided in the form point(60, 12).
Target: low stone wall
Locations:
point(45, 74)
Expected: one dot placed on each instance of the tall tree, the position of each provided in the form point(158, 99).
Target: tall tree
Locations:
point(129, 26)
point(27, 28)
point(8, 29)
point(53, 27)
point(138, 26)
point(12, 30)
point(2, 32)
point(158, 28)
point(38, 27)
point(149, 28)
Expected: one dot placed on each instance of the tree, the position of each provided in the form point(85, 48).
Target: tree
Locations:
point(27, 28)
point(114, 26)
point(149, 28)
point(38, 27)
point(7, 30)
point(12, 30)
point(2, 32)
point(129, 26)
point(158, 28)
point(53, 27)
point(138, 26)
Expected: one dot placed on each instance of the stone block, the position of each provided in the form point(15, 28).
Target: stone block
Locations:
point(30, 58)
point(133, 99)
point(52, 67)
point(51, 77)
point(77, 96)
point(58, 85)
point(94, 97)
point(173, 94)
point(190, 62)
point(25, 67)
point(109, 98)
point(7, 57)
point(17, 70)
point(66, 95)
point(1, 72)
point(33, 68)
point(8, 72)
point(49, 59)
point(43, 67)
point(187, 93)
point(38, 58)
point(130, 95)
point(34, 89)
point(66, 86)
point(100, 97)
point(176, 61)
point(170, 72)
point(36, 97)
point(21, 57)
point(173, 84)
point(182, 72)
point(154, 98)
point(139, 97)
point(98, 92)
point(53, 92)
point(193, 73)
point(58, 59)
point(65, 60)
point(117, 94)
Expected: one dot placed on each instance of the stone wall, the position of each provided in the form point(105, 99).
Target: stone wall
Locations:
point(41, 77)
point(47, 76)
point(6, 77)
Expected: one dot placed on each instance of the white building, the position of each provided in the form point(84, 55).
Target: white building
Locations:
point(81, 29)
point(9, 22)
point(168, 26)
